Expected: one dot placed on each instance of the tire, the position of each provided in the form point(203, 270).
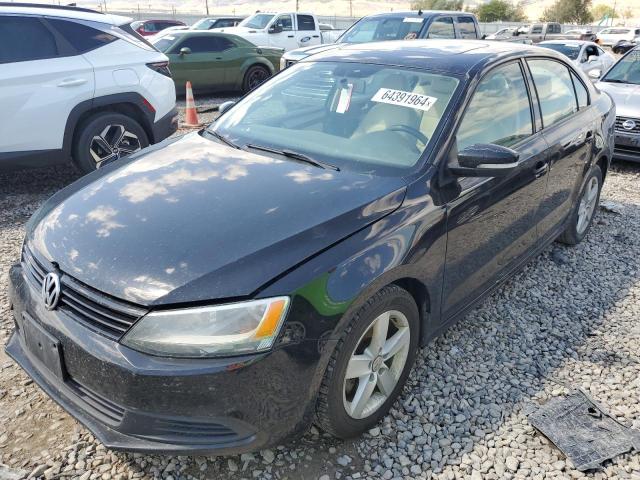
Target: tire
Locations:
point(254, 77)
point(577, 230)
point(121, 134)
point(337, 411)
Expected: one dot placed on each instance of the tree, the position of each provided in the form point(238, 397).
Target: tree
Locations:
point(437, 4)
point(601, 11)
point(568, 11)
point(500, 10)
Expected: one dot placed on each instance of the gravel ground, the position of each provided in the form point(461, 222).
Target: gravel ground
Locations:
point(569, 319)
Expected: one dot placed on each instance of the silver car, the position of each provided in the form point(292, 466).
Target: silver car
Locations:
point(622, 83)
point(585, 55)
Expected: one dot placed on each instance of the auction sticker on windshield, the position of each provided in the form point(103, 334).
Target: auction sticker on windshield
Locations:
point(404, 99)
point(412, 20)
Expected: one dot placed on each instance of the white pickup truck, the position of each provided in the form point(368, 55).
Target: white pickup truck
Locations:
point(289, 30)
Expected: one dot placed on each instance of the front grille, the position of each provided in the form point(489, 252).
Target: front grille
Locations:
point(621, 120)
point(99, 312)
point(98, 406)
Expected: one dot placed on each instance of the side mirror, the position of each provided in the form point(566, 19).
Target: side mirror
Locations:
point(596, 73)
point(275, 28)
point(225, 106)
point(185, 51)
point(485, 160)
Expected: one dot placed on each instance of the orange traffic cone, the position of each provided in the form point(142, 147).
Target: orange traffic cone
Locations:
point(191, 116)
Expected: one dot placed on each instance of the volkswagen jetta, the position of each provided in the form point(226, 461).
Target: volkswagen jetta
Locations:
point(217, 292)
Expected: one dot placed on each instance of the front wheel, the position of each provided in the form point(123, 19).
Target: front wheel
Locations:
point(584, 210)
point(370, 364)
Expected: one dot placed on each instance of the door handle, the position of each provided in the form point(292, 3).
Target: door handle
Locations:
point(72, 82)
point(540, 169)
point(316, 36)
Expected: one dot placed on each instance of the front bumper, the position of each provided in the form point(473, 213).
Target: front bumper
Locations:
point(140, 403)
point(627, 147)
point(166, 126)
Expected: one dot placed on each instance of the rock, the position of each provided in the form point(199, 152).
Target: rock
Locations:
point(512, 463)
point(344, 460)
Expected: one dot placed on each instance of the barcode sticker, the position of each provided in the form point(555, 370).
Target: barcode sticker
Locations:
point(412, 20)
point(404, 99)
point(345, 98)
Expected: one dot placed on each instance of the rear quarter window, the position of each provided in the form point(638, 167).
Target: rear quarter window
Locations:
point(81, 37)
point(467, 27)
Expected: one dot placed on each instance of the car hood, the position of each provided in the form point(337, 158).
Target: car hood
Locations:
point(626, 96)
point(304, 52)
point(195, 220)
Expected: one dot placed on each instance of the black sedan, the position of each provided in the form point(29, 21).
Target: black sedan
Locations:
point(216, 292)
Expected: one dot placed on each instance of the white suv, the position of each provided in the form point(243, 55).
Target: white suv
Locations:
point(78, 84)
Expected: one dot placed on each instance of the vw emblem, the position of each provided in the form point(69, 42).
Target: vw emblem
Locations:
point(629, 125)
point(51, 291)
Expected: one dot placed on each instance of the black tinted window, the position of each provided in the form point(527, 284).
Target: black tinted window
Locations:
point(536, 29)
point(467, 27)
point(23, 39)
point(306, 22)
point(81, 37)
point(442, 28)
point(581, 91)
point(224, 22)
point(555, 90)
point(202, 44)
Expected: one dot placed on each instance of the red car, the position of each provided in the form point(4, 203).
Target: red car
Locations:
point(151, 27)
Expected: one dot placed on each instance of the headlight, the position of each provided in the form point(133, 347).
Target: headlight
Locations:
point(231, 329)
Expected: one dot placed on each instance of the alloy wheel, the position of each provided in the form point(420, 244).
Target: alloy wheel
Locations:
point(113, 142)
point(376, 364)
point(587, 205)
point(257, 77)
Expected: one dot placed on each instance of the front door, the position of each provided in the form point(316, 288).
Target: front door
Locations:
point(285, 35)
point(492, 223)
point(204, 66)
point(568, 128)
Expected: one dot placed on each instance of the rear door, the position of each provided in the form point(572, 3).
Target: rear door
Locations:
point(568, 127)
point(492, 224)
point(42, 79)
point(307, 32)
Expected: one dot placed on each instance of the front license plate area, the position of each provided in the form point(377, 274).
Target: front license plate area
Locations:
point(628, 140)
point(43, 346)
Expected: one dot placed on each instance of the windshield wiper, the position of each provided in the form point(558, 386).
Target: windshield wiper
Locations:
point(223, 139)
point(295, 155)
point(614, 80)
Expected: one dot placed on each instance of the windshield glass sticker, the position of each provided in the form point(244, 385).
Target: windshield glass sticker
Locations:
point(412, 20)
point(404, 99)
point(345, 98)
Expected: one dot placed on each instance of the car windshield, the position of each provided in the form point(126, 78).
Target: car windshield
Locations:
point(259, 21)
point(571, 51)
point(365, 117)
point(383, 28)
point(627, 70)
point(164, 43)
point(203, 24)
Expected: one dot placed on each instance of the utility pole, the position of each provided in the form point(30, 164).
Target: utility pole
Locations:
point(351, 8)
point(297, 4)
point(206, 4)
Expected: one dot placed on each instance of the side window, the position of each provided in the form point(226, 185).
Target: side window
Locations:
point(36, 41)
point(467, 27)
point(499, 112)
point(81, 37)
point(201, 44)
point(150, 27)
point(555, 90)
point(225, 43)
point(581, 91)
point(442, 27)
point(536, 29)
point(285, 22)
point(224, 22)
point(306, 22)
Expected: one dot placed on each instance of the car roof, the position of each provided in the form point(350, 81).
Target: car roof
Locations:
point(451, 56)
point(577, 43)
point(418, 13)
point(62, 12)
